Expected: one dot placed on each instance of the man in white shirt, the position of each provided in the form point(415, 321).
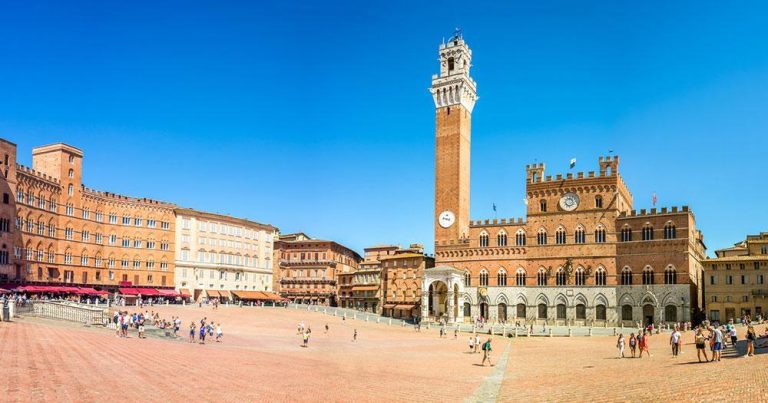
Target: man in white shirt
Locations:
point(674, 340)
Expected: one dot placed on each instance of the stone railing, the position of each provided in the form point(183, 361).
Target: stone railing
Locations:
point(67, 311)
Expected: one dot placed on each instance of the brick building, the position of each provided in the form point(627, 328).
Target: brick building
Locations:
point(67, 233)
point(581, 255)
point(734, 282)
point(402, 276)
point(308, 268)
point(224, 257)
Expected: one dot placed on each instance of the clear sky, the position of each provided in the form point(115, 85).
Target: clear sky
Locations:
point(316, 117)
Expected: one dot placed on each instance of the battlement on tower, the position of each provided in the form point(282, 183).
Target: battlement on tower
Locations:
point(609, 167)
point(497, 222)
point(109, 196)
point(656, 212)
point(37, 174)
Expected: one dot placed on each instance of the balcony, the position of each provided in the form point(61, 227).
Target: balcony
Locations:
point(760, 293)
point(305, 280)
point(307, 263)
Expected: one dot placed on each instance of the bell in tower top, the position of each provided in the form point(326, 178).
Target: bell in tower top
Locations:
point(454, 85)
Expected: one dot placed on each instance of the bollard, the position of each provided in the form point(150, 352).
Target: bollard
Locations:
point(183, 303)
point(550, 332)
point(614, 331)
point(570, 332)
point(390, 321)
point(590, 331)
point(516, 334)
point(354, 316)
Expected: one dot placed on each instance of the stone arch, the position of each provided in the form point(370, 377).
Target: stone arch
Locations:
point(501, 299)
point(542, 299)
point(580, 299)
point(468, 298)
point(600, 299)
point(649, 299)
point(626, 299)
point(520, 299)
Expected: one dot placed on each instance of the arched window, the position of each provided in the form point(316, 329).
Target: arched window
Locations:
point(626, 234)
point(520, 238)
point(647, 232)
point(600, 312)
point(541, 277)
point(501, 277)
point(648, 276)
point(542, 237)
point(501, 238)
point(581, 276)
point(600, 276)
point(560, 311)
point(560, 236)
point(543, 206)
point(626, 276)
point(520, 277)
point(670, 232)
point(598, 201)
point(626, 312)
point(71, 173)
point(467, 279)
point(670, 275)
point(484, 278)
point(578, 236)
point(600, 234)
point(561, 276)
point(581, 311)
point(542, 311)
point(483, 239)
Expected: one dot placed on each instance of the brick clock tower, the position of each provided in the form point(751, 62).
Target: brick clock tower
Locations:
point(454, 93)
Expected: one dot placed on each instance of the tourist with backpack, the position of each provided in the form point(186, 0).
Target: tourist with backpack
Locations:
point(487, 352)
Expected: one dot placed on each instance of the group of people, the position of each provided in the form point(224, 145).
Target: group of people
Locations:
point(717, 338)
point(475, 345)
point(206, 329)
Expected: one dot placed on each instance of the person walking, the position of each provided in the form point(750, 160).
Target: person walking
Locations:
point(674, 341)
point(487, 352)
point(202, 334)
point(751, 336)
point(643, 344)
point(219, 333)
point(701, 346)
point(192, 328)
point(620, 345)
point(354, 335)
point(477, 343)
point(718, 348)
point(734, 336)
point(632, 344)
point(471, 344)
point(326, 328)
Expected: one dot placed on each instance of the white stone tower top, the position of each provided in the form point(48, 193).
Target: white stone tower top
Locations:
point(454, 86)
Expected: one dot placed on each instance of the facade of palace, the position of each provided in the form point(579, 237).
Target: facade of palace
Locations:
point(581, 255)
point(734, 281)
point(308, 269)
point(220, 256)
point(66, 233)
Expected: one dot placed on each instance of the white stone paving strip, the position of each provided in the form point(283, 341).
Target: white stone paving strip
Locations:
point(488, 391)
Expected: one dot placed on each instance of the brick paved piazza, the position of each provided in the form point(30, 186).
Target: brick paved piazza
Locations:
point(261, 360)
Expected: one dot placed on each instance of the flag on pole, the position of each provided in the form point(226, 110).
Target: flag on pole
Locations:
point(573, 163)
point(654, 199)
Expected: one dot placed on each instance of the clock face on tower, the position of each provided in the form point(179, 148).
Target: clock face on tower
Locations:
point(569, 201)
point(446, 219)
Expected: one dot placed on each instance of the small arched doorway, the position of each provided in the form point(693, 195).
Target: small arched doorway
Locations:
point(502, 311)
point(581, 311)
point(467, 311)
point(648, 312)
point(484, 310)
point(542, 311)
point(600, 312)
point(670, 313)
point(521, 311)
point(626, 312)
point(560, 311)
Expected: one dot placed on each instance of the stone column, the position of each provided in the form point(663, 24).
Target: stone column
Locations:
point(449, 306)
point(424, 305)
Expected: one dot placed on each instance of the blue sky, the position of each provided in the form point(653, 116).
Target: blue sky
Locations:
point(316, 117)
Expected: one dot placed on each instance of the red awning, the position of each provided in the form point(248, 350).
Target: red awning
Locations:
point(148, 291)
point(129, 291)
point(168, 293)
point(90, 291)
